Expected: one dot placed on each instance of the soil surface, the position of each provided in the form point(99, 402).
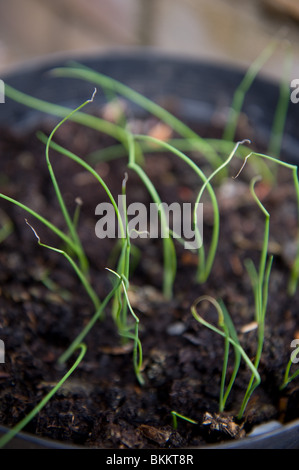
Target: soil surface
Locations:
point(43, 305)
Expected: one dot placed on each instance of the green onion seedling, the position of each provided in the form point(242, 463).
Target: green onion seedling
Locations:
point(19, 426)
point(90, 291)
point(287, 377)
point(260, 285)
point(227, 331)
point(176, 415)
point(137, 351)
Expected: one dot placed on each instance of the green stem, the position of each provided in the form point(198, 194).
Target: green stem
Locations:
point(12, 433)
point(44, 221)
point(137, 350)
point(260, 283)
point(92, 76)
point(91, 293)
point(295, 268)
point(61, 111)
point(82, 257)
point(274, 147)
point(202, 274)
point(231, 338)
point(241, 91)
point(168, 247)
point(85, 165)
point(176, 415)
point(204, 267)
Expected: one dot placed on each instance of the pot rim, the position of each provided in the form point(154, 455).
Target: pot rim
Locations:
point(282, 437)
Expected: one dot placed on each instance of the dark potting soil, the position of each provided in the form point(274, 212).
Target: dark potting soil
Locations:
point(43, 306)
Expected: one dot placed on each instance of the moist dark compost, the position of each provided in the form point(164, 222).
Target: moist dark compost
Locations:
point(43, 305)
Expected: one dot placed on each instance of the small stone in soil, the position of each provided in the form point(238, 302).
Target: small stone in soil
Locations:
point(158, 435)
point(222, 425)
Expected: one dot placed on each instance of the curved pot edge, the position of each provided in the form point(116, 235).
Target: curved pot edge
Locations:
point(284, 437)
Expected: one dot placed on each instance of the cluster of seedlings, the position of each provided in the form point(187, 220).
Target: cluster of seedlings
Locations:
point(134, 146)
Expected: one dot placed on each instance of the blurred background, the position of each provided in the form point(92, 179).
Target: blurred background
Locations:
point(229, 31)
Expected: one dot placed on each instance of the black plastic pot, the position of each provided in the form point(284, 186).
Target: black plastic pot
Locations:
point(195, 91)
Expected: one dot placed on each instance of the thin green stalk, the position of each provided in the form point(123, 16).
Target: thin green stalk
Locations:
point(120, 307)
point(260, 284)
point(242, 90)
point(205, 268)
point(202, 274)
point(287, 377)
point(264, 252)
point(127, 252)
point(61, 111)
point(278, 126)
point(52, 286)
point(72, 229)
point(7, 226)
point(44, 221)
point(90, 75)
point(176, 415)
point(229, 330)
point(229, 334)
point(293, 281)
point(18, 427)
point(89, 168)
point(76, 215)
point(222, 324)
point(90, 291)
point(102, 80)
point(137, 350)
point(168, 246)
point(113, 152)
point(223, 147)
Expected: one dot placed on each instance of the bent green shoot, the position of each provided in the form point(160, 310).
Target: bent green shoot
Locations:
point(204, 269)
point(65, 238)
point(260, 284)
point(294, 275)
point(176, 415)
point(90, 169)
point(131, 146)
point(88, 120)
point(223, 147)
point(168, 246)
point(137, 350)
point(52, 286)
point(87, 74)
point(90, 291)
point(72, 228)
point(242, 90)
point(86, 166)
point(21, 425)
point(119, 311)
point(276, 135)
point(227, 331)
